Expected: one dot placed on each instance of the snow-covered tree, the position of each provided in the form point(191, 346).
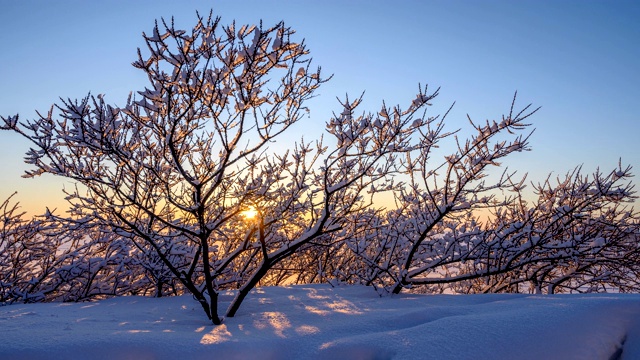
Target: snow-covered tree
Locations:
point(102, 264)
point(399, 246)
point(44, 259)
point(174, 170)
point(176, 164)
point(579, 235)
point(30, 253)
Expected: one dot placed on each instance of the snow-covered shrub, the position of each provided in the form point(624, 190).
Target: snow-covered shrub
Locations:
point(49, 259)
point(579, 235)
point(29, 255)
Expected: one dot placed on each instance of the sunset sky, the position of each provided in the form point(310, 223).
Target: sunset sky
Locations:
point(579, 60)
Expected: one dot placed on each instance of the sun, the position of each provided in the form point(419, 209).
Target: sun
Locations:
point(251, 213)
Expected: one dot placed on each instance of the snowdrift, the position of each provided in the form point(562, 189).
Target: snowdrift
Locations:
point(321, 322)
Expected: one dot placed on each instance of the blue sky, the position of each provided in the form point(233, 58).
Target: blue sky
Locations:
point(576, 59)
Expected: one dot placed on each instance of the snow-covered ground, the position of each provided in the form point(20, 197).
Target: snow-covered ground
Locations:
point(320, 322)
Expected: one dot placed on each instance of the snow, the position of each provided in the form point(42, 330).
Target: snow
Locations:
point(321, 322)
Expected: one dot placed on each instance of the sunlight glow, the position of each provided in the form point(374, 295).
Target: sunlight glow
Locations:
point(307, 330)
point(218, 335)
point(277, 320)
point(250, 214)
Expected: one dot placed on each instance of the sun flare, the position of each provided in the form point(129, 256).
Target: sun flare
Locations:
point(250, 213)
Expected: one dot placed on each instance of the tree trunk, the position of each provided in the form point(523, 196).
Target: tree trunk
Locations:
point(246, 288)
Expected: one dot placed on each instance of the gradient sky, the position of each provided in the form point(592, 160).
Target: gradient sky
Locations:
point(578, 60)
